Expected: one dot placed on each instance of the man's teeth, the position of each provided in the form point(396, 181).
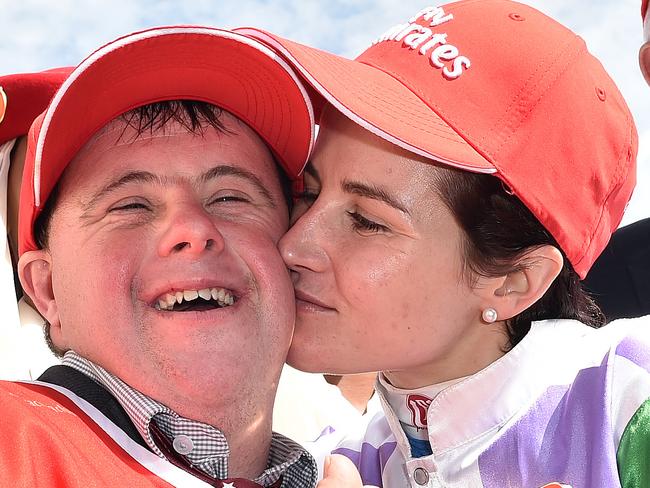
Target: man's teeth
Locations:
point(220, 295)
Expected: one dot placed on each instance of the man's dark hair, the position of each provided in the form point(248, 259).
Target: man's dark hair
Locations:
point(195, 116)
point(499, 229)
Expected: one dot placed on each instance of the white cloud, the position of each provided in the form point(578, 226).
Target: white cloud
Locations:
point(39, 34)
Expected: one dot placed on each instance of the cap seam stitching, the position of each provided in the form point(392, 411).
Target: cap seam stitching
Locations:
point(549, 84)
point(618, 176)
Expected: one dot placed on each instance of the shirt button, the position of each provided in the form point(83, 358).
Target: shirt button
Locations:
point(421, 476)
point(183, 444)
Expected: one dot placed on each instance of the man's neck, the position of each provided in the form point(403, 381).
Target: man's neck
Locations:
point(248, 432)
point(244, 418)
point(243, 415)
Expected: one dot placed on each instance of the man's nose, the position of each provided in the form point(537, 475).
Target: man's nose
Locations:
point(192, 230)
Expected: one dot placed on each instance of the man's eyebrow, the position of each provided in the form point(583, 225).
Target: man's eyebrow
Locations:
point(130, 177)
point(227, 170)
point(375, 192)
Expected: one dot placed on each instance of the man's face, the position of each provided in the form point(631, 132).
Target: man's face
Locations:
point(141, 225)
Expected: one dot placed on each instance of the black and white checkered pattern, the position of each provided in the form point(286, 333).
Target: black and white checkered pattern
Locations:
point(210, 450)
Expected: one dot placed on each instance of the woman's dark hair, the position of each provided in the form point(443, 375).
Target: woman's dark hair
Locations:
point(499, 229)
point(194, 116)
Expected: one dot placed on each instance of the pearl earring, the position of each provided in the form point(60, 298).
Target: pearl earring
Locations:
point(489, 315)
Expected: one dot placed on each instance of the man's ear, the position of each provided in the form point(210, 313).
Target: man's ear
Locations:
point(513, 293)
point(35, 273)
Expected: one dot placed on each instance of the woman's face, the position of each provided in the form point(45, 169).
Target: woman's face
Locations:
point(377, 266)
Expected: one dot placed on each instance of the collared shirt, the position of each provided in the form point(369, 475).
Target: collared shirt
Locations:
point(410, 407)
point(204, 446)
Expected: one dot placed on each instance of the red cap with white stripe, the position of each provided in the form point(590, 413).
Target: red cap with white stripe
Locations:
point(496, 87)
point(23, 96)
point(232, 71)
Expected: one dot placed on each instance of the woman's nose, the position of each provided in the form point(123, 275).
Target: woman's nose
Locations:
point(302, 246)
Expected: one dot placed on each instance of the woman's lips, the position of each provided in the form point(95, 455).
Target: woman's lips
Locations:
point(305, 301)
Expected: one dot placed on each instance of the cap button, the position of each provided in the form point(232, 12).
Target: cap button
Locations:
point(517, 17)
point(183, 444)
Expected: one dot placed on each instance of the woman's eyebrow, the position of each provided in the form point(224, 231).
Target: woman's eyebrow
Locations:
point(375, 192)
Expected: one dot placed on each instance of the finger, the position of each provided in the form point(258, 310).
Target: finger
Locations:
point(340, 472)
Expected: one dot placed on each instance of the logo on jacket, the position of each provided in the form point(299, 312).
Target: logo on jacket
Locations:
point(555, 484)
point(418, 405)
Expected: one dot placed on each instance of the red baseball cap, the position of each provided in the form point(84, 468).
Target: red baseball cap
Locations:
point(495, 87)
point(23, 96)
point(232, 71)
point(644, 52)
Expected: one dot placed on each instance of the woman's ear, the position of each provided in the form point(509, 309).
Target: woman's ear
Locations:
point(513, 293)
point(35, 273)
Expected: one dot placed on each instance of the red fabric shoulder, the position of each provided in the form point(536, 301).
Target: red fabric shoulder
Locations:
point(46, 440)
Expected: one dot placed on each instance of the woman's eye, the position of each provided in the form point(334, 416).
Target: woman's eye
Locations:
point(361, 223)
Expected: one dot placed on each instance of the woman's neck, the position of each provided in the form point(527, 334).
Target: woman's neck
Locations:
point(464, 359)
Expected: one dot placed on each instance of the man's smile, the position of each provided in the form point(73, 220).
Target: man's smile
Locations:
point(195, 300)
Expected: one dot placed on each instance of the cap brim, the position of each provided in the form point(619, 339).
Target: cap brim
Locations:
point(237, 73)
point(378, 102)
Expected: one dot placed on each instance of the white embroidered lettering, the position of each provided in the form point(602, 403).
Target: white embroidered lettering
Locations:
point(435, 40)
point(437, 17)
point(423, 13)
point(461, 63)
point(419, 37)
point(414, 40)
point(446, 52)
point(408, 30)
point(434, 15)
point(391, 33)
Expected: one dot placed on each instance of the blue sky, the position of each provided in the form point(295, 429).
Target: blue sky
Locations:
point(40, 34)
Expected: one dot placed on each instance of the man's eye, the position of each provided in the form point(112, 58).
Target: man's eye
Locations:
point(129, 206)
point(228, 198)
point(361, 223)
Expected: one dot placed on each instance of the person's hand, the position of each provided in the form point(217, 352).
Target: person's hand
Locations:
point(340, 472)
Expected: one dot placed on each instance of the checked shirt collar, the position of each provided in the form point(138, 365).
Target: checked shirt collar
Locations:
point(204, 446)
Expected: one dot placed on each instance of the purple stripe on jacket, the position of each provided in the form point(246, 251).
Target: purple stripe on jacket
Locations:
point(635, 351)
point(370, 461)
point(564, 437)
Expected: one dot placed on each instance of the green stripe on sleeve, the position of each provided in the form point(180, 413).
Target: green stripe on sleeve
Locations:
point(633, 455)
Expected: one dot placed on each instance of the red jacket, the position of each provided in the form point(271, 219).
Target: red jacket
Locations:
point(52, 438)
